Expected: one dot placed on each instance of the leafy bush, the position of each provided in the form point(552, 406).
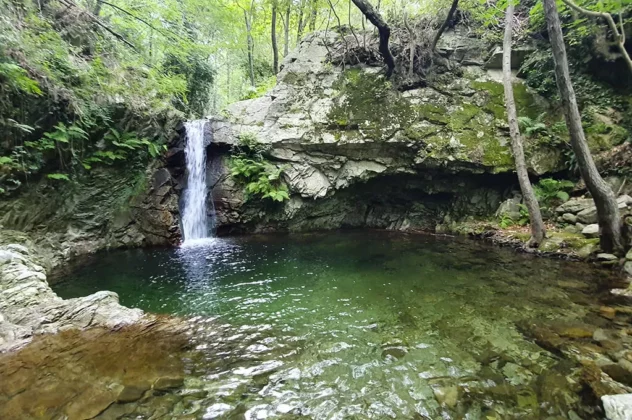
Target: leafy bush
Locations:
point(551, 191)
point(261, 178)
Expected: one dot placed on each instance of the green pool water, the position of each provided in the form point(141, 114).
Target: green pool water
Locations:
point(358, 325)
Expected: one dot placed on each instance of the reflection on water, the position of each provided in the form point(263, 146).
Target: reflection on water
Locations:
point(357, 325)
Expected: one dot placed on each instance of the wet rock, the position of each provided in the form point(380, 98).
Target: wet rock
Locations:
point(131, 393)
point(216, 411)
point(168, 382)
point(573, 329)
point(591, 231)
point(607, 312)
point(618, 407)
point(516, 374)
point(544, 337)
point(396, 352)
point(618, 373)
point(447, 396)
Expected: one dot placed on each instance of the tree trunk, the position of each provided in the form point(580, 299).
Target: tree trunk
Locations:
point(286, 32)
point(455, 3)
point(605, 201)
point(301, 23)
point(275, 48)
point(313, 16)
point(251, 47)
point(383, 29)
point(538, 230)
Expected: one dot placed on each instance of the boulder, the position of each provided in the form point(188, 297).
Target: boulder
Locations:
point(575, 205)
point(618, 407)
point(587, 250)
point(588, 216)
point(569, 218)
point(591, 231)
point(628, 256)
point(627, 268)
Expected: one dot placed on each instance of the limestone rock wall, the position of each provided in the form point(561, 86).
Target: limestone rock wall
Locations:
point(358, 152)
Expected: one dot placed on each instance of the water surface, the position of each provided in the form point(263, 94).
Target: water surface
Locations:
point(359, 325)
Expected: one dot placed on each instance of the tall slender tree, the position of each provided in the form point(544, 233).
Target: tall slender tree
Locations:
point(286, 29)
point(273, 37)
point(538, 230)
point(611, 238)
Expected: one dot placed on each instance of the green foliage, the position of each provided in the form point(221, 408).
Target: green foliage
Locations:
point(58, 177)
point(507, 221)
point(551, 191)
point(531, 127)
point(260, 178)
point(16, 77)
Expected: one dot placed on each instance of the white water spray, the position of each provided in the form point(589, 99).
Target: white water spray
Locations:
point(195, 223)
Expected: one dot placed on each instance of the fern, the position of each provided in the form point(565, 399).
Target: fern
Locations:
point(552, 191)
point(59, 177)
point(260, 178)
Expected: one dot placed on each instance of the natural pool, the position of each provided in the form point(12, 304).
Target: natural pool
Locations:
point(358, 325)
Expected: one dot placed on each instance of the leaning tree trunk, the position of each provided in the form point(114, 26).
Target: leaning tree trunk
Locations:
point(275, 47)
point(455, 3)
point(383, 29)
point(605, 201)
point(538, 230)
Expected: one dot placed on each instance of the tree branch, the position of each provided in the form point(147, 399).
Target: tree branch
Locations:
point(445, 24)
point(101, 24)
point(384, 31)
point(620, 36)
point(141, 20)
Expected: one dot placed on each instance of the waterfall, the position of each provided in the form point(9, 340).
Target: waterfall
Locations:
point(195, 223)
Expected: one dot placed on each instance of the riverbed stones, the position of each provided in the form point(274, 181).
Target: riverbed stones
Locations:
point(168, 382)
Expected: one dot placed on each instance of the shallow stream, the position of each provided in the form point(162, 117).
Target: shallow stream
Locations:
point(357, 325)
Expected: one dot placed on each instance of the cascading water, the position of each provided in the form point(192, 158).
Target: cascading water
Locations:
point(195, 221)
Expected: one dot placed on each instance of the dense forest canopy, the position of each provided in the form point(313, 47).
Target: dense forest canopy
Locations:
point(94, 82)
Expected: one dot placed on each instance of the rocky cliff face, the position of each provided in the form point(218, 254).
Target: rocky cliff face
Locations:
point(358, 152)
point(107, 208)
